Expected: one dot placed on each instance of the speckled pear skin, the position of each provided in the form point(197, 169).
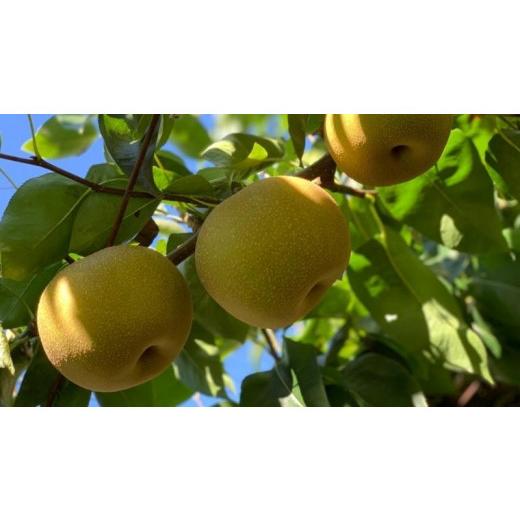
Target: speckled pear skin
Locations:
point(386, 149)
point(115, 319)
point(269, 252)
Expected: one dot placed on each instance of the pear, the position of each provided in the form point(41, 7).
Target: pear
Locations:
point(268, 253)
point(115, 319)
point(386, 149)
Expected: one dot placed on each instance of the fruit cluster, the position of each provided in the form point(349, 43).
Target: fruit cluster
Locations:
point(267, 254)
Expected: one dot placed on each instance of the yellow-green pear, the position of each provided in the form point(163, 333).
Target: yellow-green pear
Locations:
point(268, 253)
point(385, 149)
point(116, 318)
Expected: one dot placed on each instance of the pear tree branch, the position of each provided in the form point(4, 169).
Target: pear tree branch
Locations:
point(184, 251)
point(56, 387)
point(325, 168)
point(99, 188)
point(133, 178)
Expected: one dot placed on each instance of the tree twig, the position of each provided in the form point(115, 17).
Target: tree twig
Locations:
point(99, 188)
point(133, 178)
point(340, 188)
point(272, 343)
point(55, 390)
point(469, 393)
point(185, 250)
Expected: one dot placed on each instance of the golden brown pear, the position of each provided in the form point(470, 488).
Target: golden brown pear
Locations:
point(269, 252)
point(380, 150)
point(116, 318)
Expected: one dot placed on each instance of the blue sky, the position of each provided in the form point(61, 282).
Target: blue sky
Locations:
point(14, 131)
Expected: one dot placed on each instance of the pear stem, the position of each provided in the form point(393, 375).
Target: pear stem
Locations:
point(272, 343)
point(325, 168)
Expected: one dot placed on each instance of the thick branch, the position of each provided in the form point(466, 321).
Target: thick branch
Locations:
point(133, 178)
point(272, 343)
point(323, 168)
point(185, 250)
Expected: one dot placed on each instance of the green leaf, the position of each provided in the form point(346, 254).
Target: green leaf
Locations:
point(175, 240)
point(454, 206)
point(63, 136)
point(189, 135)
point(36, 226)
point(297, 131)
point(95, 217)
point(512, 236)
point(190, 185)
point(360, 216)
point(302, 360)
point(40, 379)
point(199, 366)
point(123, 135)
point(379, 381)
point(167, 160)
point(496, 289)
point(18, 300)
point(163, 178)
point(413, 307)
point(244, 152)
point(315, 123)
point(167, 123)
point(208, 312)
point(334, 303)
point(271, 388)
point(503, 157)
point(164, 390)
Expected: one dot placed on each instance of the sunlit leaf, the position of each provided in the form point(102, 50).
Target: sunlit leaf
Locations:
point(413, 307)
point(244, 152)
point(453, 203)
point(63, 136)
point(123, 136)
point(36, 226)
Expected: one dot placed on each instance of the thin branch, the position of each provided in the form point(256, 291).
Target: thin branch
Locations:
point(99, 188)
point(9, 180)
point(469, 393)
point(272, 343)
point(340, 188)
point(185, 250)
point(133, 178)
point(55, 390)
point(42, 163)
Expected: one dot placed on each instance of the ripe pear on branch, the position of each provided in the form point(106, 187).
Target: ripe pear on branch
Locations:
point(386, 149)
point(115, 319)
point(268, 253)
